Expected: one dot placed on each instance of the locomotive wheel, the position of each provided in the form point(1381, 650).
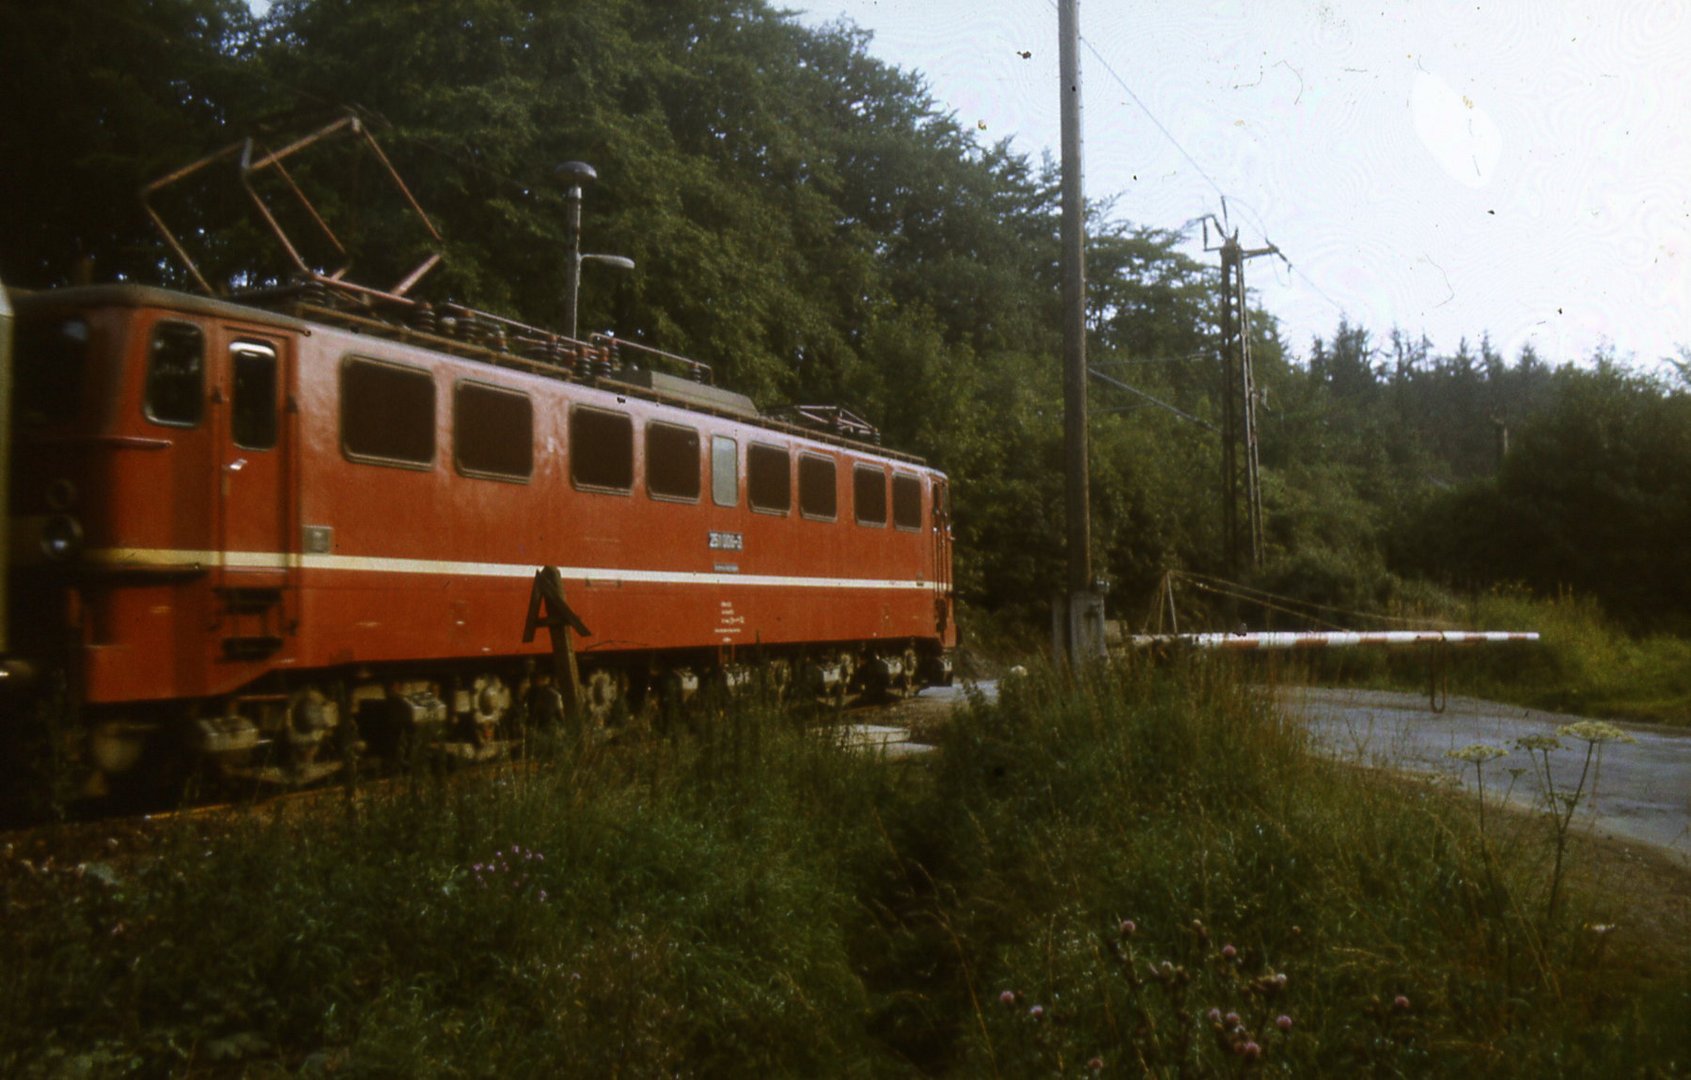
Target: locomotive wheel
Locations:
point(544, 705)
point(117, 746)
point(601, 692)
point(643, 696)
point(778, 680)
point(849, 690)
point(490, 704)
point(310, 719)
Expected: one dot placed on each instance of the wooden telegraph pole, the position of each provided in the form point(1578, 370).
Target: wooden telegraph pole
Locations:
point(1079, 626)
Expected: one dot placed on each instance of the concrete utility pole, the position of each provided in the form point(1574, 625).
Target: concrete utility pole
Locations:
point(1078, 623)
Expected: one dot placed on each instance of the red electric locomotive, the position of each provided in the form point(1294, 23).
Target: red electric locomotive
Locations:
point(237, 525)
point(237, 530)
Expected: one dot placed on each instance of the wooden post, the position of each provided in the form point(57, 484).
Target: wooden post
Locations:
point(562, 624)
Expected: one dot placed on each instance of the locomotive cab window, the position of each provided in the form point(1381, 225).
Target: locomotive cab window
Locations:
point(601, 450)
point(818, 496)
point(724, 471)
point(906, 502)
point(176, 375)
point(672, 462)
point(492, 432)
point(769, 482)
point(869, 494)
point(387, 413)
point(252, 412)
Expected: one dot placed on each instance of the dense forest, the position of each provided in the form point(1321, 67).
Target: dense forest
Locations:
point(811, 222)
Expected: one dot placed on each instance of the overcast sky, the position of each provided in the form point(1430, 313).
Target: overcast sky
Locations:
point(1521, 168)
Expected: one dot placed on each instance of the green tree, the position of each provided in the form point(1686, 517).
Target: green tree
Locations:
point(1595, 495)
point(100, 97)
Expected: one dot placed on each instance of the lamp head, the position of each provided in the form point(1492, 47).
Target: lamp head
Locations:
point(577, 173)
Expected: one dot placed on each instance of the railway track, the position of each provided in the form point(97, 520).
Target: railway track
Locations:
point(884, 727)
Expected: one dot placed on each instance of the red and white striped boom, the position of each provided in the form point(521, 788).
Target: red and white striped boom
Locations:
point(1333, 639)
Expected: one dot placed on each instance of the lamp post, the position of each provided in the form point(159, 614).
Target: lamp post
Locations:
point(579, 173)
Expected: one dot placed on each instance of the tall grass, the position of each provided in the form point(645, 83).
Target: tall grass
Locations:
point(1585, 662)
point(1175, 802)
point(1077, 878)
point(681, 905)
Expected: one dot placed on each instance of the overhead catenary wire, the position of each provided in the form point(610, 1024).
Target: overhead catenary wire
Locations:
point(1146, 109)
point(1197, 167)
point(1221, 587)
point(1194, 358)
point(1161, 404)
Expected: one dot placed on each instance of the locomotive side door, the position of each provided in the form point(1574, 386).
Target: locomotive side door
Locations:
point(253, 482)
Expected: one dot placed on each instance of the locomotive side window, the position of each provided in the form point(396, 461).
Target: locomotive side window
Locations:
point(252, 413)
point(906, 502)
point(492, 432)
point(672, 462)
point(602, 450)
point(387, 413)
point(818, 495)
point(724, 471)
point(869, 494)
point(50, 359)
point(176, 375)
point(769, 482)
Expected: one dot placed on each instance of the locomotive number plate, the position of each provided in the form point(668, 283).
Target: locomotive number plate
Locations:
point(727, 541)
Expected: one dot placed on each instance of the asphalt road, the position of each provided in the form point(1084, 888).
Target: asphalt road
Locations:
point(1642, 791)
